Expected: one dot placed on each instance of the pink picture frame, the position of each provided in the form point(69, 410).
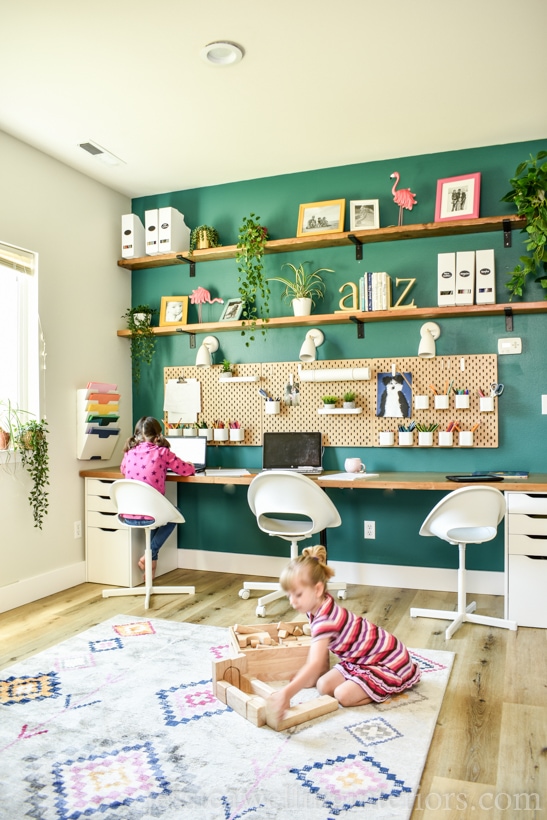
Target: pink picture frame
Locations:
point(458, 197)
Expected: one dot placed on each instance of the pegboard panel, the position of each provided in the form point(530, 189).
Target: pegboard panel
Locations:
point(240, 400)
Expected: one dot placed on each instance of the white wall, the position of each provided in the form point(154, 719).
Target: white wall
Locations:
point(73, 223)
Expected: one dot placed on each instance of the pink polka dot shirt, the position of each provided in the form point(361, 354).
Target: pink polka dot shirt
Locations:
point(149, 463)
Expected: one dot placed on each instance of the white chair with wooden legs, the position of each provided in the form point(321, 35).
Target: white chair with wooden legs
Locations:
point(283, 493)
point(137, 498)
point(470, 515)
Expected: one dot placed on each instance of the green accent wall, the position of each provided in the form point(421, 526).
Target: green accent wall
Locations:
point(276, 201)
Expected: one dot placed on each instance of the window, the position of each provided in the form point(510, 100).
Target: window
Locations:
point(19, 328)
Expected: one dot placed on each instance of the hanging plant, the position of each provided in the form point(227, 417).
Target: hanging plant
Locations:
point(204, 237)
point(143, 341)
point(31, 441)
point(252, 284)
point(528, 194)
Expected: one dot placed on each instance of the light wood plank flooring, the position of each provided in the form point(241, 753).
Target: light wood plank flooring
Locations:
point(488, 756)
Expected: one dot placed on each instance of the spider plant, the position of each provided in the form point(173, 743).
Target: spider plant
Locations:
point(306, 285)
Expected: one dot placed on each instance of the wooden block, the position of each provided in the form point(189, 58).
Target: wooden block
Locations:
point(237, 700)
point(254, 642)
point(219, 690)
point(298, 631)
point(282, 633)
point(260, 687)
point(256, 711)
point(306, 629)
point(301, 713)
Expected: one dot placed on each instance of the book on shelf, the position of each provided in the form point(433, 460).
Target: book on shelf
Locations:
point(374, 291)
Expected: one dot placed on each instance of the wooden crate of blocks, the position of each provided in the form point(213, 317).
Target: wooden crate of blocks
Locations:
point(263, 654)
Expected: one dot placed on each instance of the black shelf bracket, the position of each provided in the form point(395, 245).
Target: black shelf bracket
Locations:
point(508, 319)
point(188, 262)
point(358, 246)
point(507, 238)
point(190, 334)
point(360, 326)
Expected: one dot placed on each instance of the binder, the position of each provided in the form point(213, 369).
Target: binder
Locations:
point(446, 279)
point(465, 277)
point(485, 278)
point(151, 231)
point(173, 233)
point(132, 236)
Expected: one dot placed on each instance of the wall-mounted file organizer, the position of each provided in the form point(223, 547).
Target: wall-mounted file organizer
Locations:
point(97, 421)
point(360, 427)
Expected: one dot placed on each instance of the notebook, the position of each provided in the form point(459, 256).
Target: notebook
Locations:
point(301, 452)
point(191, 448)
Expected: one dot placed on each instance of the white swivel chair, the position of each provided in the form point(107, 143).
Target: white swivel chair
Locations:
point(137, 498)
point(273, 495)
point(470, 515)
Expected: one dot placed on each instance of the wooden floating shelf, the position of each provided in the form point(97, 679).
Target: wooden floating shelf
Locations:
point(303, 243)
point(341, 318)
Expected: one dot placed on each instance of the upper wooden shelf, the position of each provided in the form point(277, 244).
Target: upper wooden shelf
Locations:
point(333, 240)
point(343, 317)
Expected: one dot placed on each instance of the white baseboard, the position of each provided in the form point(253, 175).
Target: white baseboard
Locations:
point(40, 586)
point(378, 575)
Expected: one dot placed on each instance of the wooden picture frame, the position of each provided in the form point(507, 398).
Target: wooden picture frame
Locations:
point(364, 214)
point(173, 311)
point(458, 198)
point(321, 217)
point(233, 309)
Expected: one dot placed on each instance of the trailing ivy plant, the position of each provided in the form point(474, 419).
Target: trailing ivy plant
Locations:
point(210, 233)
point(251, 243)
point(143, 341)
point(528, 194)
point(31, 441)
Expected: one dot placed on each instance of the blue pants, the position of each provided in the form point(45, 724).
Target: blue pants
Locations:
point(158, 536)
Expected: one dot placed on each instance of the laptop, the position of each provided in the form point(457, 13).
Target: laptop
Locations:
point(191, 448)
point(301, 452)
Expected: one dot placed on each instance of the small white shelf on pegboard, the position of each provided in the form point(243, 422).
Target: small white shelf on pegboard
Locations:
point(239, 378)
point(335, 411)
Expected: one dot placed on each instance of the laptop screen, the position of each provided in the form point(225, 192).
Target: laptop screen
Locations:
point(190, 448)
point(292, 451)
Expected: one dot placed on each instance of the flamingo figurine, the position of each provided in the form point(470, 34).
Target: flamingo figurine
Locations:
point(201, 295)
point(404, 197)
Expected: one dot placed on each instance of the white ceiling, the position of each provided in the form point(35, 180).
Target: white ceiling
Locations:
point(321, 84)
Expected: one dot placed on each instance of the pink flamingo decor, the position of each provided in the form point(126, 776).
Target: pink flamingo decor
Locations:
point(404, 197)
point(199, 296)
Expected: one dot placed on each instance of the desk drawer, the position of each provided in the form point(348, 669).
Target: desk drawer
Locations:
point(109, 557)
point(104, 520)
point(98, 486)
point(532, 504)
point(526, 591)
point(101, 503)
point(527, 524)
point(527, 545)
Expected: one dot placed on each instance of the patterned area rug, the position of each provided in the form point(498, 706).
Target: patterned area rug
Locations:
point(120, 723)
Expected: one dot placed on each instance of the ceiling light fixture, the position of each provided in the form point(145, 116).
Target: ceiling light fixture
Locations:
point(100, 153)
point(221, 53)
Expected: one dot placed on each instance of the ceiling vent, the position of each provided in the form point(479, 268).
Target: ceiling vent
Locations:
point(100, 153)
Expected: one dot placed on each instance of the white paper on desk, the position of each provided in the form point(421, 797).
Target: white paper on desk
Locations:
point(348, 476)
point(182, 401)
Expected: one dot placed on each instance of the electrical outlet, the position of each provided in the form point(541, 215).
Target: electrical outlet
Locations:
point(77, 529)
point(370, 529)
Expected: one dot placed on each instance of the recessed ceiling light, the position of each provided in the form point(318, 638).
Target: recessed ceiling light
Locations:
point(221, 53)
point(100, 153)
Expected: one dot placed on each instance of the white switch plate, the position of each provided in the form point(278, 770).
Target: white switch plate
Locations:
point(509, 346)
point(544, 405)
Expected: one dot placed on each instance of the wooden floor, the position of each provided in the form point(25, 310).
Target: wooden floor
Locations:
point(488, 756)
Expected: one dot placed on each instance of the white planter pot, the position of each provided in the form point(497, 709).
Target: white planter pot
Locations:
point(302, 306)
point(189, 432)
point(220, 434)
point(237, 434)
point(349, 405)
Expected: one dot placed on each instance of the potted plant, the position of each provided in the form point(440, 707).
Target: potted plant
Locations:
point(329, 402)
point(249, 253)
point(227, 367)
point(305, 288)
point(204, 237)
point(529, 195)
point(143, 341)
point(10, 422)
point(349, 400)
point(31, 441)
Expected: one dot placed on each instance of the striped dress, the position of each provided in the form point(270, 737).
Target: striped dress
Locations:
point(371, 657)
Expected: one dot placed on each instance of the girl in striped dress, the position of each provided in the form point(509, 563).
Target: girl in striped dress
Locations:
point(373, 664)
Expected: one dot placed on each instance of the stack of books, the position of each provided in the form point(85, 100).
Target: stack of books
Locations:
point(375, 291)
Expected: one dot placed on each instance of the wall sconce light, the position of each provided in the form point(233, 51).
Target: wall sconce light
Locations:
point(313, 339)
point(429, 333)
point(204, 356)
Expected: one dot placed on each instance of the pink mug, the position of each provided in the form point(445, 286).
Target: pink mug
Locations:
point(354, 465)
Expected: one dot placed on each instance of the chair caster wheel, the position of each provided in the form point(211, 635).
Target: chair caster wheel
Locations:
point(261, 611)
point(244, 593)
point(342, 594)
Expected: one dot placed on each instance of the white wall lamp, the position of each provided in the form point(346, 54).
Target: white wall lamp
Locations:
point(314, 338)
point(429, 332)
point(204, 356)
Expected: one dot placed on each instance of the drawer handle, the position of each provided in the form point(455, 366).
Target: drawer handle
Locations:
point(537, 537)
point(108, 529)
point(537, 557)
point(531, 515)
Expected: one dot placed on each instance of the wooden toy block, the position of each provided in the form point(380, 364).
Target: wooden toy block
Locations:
point(301, 713)
point(237, 700)
point(256, 711)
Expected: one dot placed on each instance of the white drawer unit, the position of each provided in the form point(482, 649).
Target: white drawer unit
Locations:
point(526, 558)
point(113, 550)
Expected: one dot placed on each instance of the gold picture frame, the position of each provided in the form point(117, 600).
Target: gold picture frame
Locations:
point(173, 311)
point(321, 217)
